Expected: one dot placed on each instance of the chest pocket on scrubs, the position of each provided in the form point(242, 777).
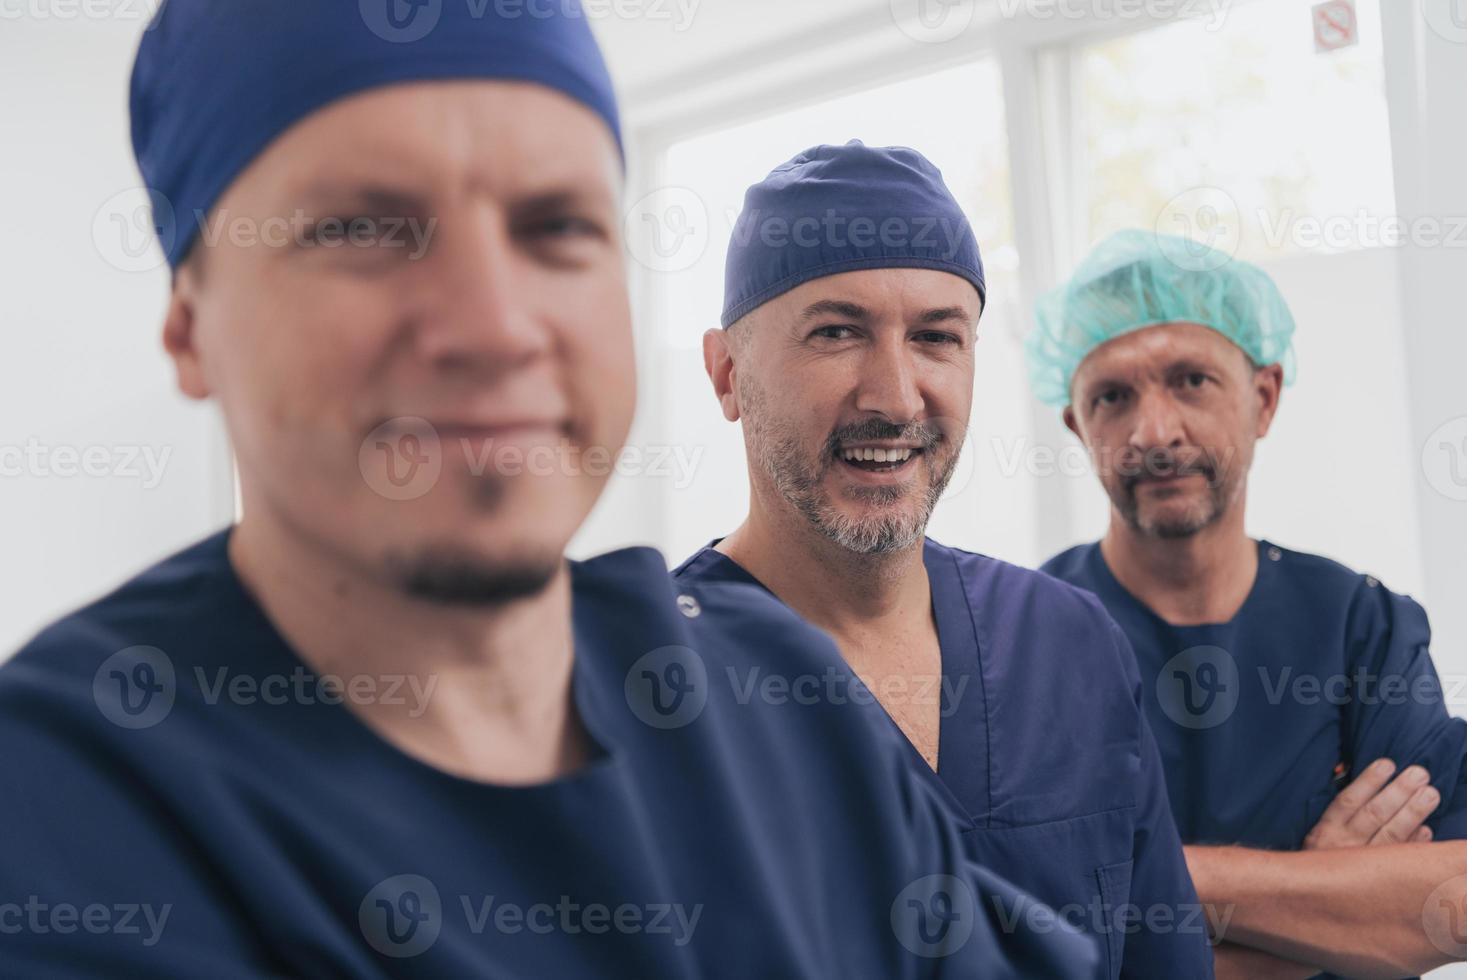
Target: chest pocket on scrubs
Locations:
point(1115, 897)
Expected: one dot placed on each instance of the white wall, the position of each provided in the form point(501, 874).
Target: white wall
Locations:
point(82, 366)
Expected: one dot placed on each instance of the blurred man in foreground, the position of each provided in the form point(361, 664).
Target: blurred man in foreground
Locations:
point(382, 726)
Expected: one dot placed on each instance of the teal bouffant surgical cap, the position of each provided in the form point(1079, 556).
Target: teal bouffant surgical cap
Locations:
point(1137, 279)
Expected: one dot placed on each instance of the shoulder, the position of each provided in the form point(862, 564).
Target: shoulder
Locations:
point(738, 619)
point(60, 663)
point(1325, 583)
point(1071, 564)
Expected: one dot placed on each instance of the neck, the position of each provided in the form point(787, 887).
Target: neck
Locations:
point(1203, 578)
point(488, 687)
point(851, 596)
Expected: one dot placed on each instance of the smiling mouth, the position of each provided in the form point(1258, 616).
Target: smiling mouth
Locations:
point(873, 459)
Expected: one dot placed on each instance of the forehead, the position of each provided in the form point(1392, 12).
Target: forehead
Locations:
point(1157, 348)
point(881, 294)
point(507, 136)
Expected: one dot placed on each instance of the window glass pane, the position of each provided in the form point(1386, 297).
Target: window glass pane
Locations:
point(1241, 135)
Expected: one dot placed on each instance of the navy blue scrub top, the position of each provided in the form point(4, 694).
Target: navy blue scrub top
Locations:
point(1322, 667)
point(1044, 744)
point(182, 800)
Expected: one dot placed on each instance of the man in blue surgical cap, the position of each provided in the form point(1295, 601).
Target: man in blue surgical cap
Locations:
point(1273, 678)
point(854, 292)
point(381, 727)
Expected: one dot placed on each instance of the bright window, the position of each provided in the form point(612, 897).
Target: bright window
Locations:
point(1238, 133)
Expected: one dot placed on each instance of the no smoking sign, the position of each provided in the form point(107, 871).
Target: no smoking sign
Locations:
point(1335, 26)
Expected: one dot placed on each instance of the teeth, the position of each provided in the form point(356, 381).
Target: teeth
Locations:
point(870, 455)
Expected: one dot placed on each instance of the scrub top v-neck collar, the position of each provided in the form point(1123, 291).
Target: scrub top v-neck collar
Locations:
point(1101, 571)
point(959, 655)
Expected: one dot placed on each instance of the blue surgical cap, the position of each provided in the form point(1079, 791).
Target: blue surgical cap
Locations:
point(1137, 279)
point(216, 81)
point(835, 209)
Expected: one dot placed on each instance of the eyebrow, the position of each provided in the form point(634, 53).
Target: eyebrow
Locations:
point(836, 307)
point(374, 198)
point(855, 311)
point(944, 314)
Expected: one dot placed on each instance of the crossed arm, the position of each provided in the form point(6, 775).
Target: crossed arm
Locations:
point(1368, 897)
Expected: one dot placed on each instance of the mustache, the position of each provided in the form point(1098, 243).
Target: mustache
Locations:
point(1166, 463)
point(927, 435)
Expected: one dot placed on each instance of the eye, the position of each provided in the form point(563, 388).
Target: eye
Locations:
point(834, 332)
point(1195, 379)
point(1109, 398)
point(940, 338)
point(563, 227)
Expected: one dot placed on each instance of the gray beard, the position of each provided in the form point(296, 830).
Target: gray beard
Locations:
point(1172, 529)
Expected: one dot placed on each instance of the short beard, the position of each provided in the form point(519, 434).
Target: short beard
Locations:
point(783, 460)
point(458, 577)
point(1190, 523)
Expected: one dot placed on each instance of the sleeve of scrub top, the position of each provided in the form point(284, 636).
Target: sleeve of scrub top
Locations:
point(96, 881)
point(1170, 937)
point(1396, 708)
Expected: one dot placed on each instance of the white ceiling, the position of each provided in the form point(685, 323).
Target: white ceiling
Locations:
point(672, 38)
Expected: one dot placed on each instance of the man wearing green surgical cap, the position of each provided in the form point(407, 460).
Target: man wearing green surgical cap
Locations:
point(1299, 716)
